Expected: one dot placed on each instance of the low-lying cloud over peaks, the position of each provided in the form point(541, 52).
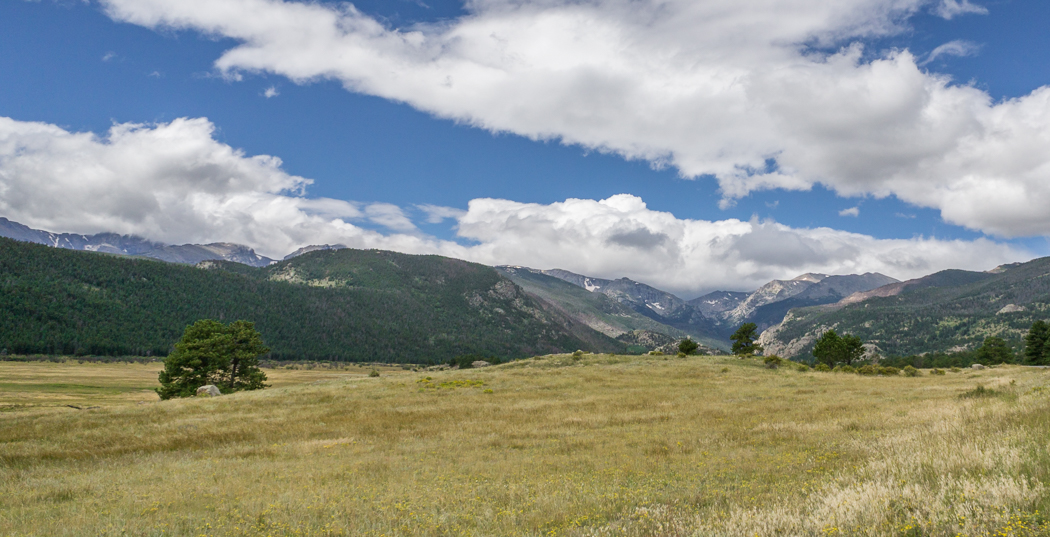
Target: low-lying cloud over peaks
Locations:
point(173, 182)
point(721, 87)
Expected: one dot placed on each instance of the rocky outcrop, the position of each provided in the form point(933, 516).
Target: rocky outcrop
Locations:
point(208, 391)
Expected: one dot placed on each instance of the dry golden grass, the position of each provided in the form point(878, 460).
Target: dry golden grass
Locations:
point(603, 446)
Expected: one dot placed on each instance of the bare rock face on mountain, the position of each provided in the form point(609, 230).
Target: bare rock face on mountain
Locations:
point(112, 243)
point(774, 291)
point(769, 304)
point(314, 248)
point(718, 302)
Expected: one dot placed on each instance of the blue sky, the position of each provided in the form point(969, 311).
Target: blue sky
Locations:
point(83, 67)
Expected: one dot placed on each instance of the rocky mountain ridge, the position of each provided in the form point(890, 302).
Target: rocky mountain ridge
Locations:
point(112, 243)
point(943, 312)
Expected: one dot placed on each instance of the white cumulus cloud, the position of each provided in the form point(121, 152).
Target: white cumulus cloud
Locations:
point(718, 87)
point(173, 182)
point(852, 211)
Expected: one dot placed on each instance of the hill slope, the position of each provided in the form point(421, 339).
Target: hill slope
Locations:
point(346, 305)
point(596, 310)
point(939, 312)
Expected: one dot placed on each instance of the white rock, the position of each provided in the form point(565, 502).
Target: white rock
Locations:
point(977, 366)
point(208, 391)
point(480, 363)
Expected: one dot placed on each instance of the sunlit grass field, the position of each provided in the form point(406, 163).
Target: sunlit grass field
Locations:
point(603, 445)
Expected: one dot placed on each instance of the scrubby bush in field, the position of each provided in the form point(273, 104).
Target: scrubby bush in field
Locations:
point(868, 370)
point(802, 368)
point(823, 368)
point(910, 371)
point(889, 371)
point(772, 361)
point(937, 372)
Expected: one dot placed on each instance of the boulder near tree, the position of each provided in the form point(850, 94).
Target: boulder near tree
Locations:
point(211, 352)
point(744, 340)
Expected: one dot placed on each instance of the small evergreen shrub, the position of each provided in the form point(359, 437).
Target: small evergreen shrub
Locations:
point(937, 372)
point(802, 368)
point(373, 373)
point(772, 361)
point(577, 355)
point(910, 371)
point(889, 371)
point(655, 353)
point(823, 368)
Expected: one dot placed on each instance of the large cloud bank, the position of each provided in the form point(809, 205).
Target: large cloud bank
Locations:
point(744, 90)
point(174, 182)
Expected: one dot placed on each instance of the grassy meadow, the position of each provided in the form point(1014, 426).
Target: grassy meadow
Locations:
point(603, 445)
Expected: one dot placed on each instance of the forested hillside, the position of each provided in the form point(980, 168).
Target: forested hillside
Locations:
point(349, 305)
point(952, 309)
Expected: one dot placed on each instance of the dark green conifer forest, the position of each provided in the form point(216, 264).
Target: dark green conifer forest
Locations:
point(346, 305)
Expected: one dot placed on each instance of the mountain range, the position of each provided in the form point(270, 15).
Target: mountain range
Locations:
point(948, 310)
point(112, 243)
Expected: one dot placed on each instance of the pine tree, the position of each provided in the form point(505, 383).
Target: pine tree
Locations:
point(744, 340)
point(210, 352)
point(1035, 348)
point(994, 350)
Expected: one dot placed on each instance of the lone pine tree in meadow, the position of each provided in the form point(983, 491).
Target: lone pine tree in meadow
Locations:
point(211, 352)
point(744, 340)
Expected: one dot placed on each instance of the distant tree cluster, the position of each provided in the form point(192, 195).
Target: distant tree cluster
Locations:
point(210, 352)
point(832, 349)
